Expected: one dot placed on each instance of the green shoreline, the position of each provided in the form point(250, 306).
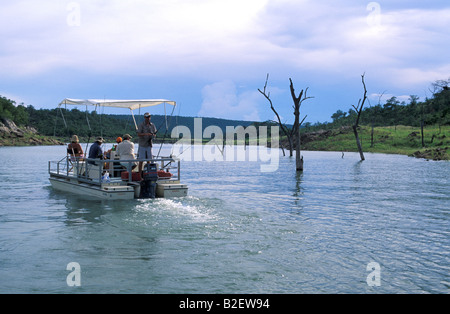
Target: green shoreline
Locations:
point(402, 140)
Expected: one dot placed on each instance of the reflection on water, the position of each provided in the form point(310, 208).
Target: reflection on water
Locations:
point(238, 231)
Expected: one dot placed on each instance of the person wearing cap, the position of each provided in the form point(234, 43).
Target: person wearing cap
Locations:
point(74, 148)
point(146, 131)
point(125, 150)
point(95, 152)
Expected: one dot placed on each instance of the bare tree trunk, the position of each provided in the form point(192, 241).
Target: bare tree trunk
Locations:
point(296, 129)
point(298, 156)
point(282, 126)
point(358, 143)
point(291, 146)
point(359, 109)
point(295, 132)
point(297, 124)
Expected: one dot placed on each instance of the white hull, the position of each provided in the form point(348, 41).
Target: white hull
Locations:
point(170, 189)
point(84, 189)
point(165, 190)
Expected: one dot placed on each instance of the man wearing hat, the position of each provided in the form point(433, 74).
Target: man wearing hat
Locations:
point(126, 150)
point(146, 131)
point(96, 150)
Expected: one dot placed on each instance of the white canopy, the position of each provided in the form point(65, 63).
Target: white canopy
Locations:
point(130, 104)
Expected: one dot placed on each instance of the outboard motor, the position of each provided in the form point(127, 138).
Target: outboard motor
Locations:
point(148, 184)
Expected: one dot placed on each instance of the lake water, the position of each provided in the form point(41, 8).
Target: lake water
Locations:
point(239, 231)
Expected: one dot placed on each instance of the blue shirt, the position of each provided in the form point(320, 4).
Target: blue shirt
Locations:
point(95, 151)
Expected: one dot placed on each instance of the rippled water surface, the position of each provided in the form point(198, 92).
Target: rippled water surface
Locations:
point(238, 231)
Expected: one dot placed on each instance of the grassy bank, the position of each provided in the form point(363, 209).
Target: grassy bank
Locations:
point(403, 140)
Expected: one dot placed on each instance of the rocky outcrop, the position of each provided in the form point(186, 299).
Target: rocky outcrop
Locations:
point(12, 135)
point(439, 153)
point(9, 129)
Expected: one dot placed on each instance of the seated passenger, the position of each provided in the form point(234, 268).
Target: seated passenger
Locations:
point(74, 149)
point(126, 151)
point(96, 150)
point(112, 155)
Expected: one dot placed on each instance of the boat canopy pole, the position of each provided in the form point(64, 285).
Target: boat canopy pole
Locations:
point(62, 115)
point(56, 121)
point(87, 118)
point(132, 114)
point(165, 115)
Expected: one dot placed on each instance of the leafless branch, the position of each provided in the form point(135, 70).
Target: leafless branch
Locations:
point(361, 105)
point(379, 98)
point(359, 109)
point(303, 120)
point(267, 96)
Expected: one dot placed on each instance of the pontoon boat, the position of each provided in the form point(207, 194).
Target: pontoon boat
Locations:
point(112, 178)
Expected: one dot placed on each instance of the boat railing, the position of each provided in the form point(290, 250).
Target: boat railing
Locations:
point(94, 171)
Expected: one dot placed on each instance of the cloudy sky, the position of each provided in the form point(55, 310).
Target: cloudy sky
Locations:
point(211, 56)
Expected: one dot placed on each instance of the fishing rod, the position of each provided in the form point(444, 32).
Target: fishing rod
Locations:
point(167, 128)
point(89, 132)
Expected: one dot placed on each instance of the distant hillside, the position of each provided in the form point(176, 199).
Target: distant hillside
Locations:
point(434, 111)
point(168, 123)
point(63, 123)
point(51, 122)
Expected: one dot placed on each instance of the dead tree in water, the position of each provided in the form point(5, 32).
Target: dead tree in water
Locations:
point(296, 129)
point(294, 133)
point(359, 109)
point(282, 126)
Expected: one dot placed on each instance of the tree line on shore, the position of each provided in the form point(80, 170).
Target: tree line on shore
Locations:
point(431, 111)
point(64, 123)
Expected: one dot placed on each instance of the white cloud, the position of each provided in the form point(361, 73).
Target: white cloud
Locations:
point(222, 100)
point(320, 38)
point(196, 37)
point(325, 43)
point(140, 36)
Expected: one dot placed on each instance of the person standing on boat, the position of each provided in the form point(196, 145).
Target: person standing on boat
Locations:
point(96, 150)
point(146, 131)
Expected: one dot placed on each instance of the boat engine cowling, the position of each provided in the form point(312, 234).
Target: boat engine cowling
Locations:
point(148, 184)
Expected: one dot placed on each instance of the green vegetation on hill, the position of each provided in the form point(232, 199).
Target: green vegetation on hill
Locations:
point(63, 123)
point(396, 125)
point(9, 110)
point(432, 111)
point(405, 140)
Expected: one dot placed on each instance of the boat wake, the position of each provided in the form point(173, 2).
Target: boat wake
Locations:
point(193, 208)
